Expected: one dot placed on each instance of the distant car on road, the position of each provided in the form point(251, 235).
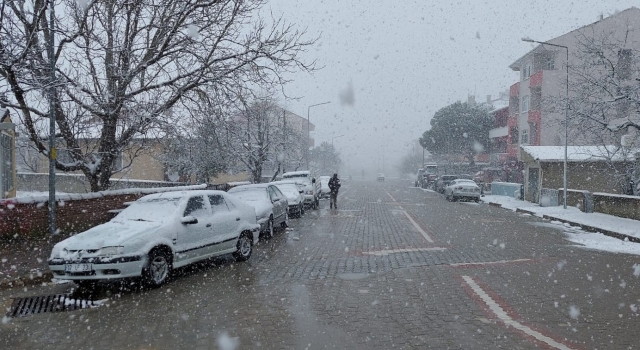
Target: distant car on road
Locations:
point(270, 204)
point(462, 189)
point(156, 234)
point(444, 181)
point(380, 177)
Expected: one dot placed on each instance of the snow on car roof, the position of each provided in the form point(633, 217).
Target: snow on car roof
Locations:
point(296, 173)
point(248, 187)
point(180, 194)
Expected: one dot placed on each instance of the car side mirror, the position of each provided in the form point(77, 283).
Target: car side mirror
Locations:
point(188, 220)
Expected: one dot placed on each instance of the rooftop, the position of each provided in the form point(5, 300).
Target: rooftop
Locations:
point(578, 153)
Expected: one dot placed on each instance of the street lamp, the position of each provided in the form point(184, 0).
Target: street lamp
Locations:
point(566, 113)
point(335, 137)
point(308, 131)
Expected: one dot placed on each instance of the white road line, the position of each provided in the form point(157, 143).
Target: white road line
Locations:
point(424, 234)
point(393, 199)
point(504, 317)
point(489, 262)
point(403, 250)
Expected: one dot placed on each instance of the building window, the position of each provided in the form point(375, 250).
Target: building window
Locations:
point(525, 104)
point(525, 137)
point(549, 62)
point(526, 71)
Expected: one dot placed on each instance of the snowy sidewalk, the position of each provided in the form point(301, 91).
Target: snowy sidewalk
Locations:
point(609, 225)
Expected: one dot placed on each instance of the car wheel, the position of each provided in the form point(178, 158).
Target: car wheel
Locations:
point(244, 247)
point(454, 198)
point(478, 200)
point(285, 223)
point(159, 269)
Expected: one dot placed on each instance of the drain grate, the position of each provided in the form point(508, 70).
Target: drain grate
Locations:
point(23, 307)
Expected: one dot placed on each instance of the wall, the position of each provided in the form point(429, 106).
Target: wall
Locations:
point(506, 189)
point(618, 205)
point(76, 183)
point(592, 177)
point(29, 217)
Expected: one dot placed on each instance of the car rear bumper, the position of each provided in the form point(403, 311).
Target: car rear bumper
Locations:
point(466, 194)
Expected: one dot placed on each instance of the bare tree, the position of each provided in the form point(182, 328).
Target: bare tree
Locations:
point(123, 66)
point(604, 101)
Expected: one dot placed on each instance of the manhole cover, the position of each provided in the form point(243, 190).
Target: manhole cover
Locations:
point(22, 307)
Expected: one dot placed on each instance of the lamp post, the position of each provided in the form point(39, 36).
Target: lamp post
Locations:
point(52, 124)
point(566, 113)
point(335, 137)
point(308, 131)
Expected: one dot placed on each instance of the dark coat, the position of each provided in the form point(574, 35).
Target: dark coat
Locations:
point(334, 185)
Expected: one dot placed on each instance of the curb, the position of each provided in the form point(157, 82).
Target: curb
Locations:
point(620, 236)
point(30, 279)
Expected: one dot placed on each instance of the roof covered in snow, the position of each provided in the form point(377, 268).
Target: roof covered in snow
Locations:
point(578, 153)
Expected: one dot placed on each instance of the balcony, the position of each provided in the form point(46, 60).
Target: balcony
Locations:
point(498, 132)
point(535, 80)
point(514, 90)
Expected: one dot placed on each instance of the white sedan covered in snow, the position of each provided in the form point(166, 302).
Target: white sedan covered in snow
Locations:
point(269, 203)
point(294, 194)
point(156, 234)
point(462, 188)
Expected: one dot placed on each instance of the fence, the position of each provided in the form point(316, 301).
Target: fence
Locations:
point(508, 189)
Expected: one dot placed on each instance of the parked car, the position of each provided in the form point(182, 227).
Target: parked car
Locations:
point(156, 234)
point(270, 204)
point(380, 177)
point(310, 185)
point(462, 188)
point(325, 191)
point(293, 192)
point(444, 181)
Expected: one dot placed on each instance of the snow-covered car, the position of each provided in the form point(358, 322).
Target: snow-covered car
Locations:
point(380, 177)
point(155, 234)
point(462, 188)
point(310, 185)
point(293, 192)
point(325, 191)
point(269, 203)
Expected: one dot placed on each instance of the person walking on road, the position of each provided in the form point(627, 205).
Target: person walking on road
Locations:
point(334, 186)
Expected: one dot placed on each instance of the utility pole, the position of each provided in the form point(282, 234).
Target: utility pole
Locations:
point(52, 123)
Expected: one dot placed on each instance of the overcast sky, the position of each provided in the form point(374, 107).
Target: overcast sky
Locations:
point(407, 59)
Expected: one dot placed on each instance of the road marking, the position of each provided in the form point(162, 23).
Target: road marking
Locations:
point(415, 224)
point(403, 250)
point(393, 199)
point(489, 263)
point(502, 315)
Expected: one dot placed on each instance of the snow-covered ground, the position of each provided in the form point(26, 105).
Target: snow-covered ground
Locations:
point(598, 220)
point(598, 241)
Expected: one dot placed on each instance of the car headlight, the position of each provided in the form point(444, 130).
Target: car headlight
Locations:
point(108, 251)
point(55, 252)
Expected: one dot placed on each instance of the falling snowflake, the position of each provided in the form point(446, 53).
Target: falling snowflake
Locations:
point(574, 312)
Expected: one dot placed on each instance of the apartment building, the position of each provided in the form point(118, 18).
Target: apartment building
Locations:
point(532, 120)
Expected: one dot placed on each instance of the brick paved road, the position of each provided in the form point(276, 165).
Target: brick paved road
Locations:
point(395, 267)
